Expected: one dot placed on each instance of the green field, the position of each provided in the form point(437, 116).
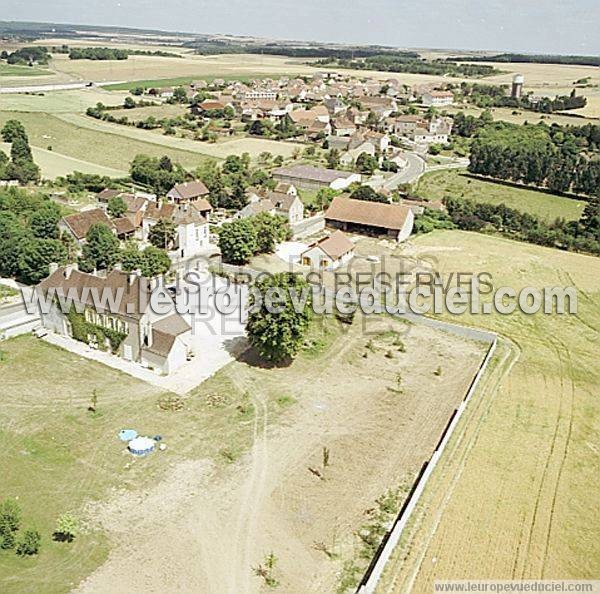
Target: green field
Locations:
point(76, 100)
point(18, 70)
point(181, 81)
point(97, 147)
point(439, 184)
point(57, 456)
point(517, 487)
point(53, 164)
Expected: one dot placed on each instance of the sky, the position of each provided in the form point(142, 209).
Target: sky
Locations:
point(544, 26)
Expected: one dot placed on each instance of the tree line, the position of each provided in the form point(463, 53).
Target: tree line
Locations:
point(111, 53)
point(395, 63)
point(547, 157)
point(581, 236)
point(497, 96)
point(532, 59)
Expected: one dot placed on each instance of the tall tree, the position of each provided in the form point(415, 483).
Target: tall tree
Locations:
point(278, 332)
point(162, 235)
point(237, 241)
point(101, 250)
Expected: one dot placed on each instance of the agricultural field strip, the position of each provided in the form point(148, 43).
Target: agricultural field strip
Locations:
point(217, 151)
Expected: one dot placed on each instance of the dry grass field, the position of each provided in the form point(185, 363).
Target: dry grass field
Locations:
point(515, 495)
point(203, 513)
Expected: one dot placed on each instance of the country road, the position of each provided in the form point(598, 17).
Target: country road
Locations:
point(415, 168)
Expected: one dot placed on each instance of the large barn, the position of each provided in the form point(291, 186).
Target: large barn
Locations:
point(372, 218)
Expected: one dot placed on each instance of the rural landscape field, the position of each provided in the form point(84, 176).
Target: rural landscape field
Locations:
point(273, 427)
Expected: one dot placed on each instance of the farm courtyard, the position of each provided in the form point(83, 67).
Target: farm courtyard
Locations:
point(237, 480)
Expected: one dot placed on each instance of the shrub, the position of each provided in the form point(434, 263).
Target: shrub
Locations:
point(30, 543)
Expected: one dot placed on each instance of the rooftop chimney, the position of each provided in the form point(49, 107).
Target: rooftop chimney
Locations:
point(69, 269)
point(52, 267)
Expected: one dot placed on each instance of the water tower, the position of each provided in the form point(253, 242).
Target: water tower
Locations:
point(517, 86)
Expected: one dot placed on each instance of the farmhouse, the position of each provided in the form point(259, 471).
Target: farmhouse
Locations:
point(329, 252)
point(194, 191)
point(308, 177)
point(192, 229)
point(288, 205)
point(255, 207)
point(374, 218)
point(78, 224)
point(131, 330)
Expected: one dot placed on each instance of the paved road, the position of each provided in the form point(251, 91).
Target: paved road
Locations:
point(414, 169)
point(56, 87)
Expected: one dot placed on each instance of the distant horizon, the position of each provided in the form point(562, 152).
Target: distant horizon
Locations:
point(560, 27)
point(294, 39)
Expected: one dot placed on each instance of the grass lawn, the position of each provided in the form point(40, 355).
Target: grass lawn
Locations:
point(95, 146)
point(518, 490)
point(18, 70)
point(438, 184)
point(58, 457)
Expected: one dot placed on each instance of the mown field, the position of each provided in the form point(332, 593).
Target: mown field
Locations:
point(515, 496)
point(95, 146)
point(439, 184)
point(53, 164)
point(17, 70)
point(76, 100)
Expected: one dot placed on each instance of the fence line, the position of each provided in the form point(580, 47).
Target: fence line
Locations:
point(375, 570)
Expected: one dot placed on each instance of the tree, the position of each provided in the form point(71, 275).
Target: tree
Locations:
point(10, 514)
point(324, 197)
point(333, 158)
point(131, 257)
point(36, 256)
point(278, 332)
point(44, 222)
point(155, 261)
point(368, 193)
point(366, 163)
point(237, 241)
point(101, 250)
point(22, 166)
point(270, 230)
point(66, 528)
point(129, 103)
point(116, 207)
point(162, 235)
point(179, 95)
point(29, 544)
point(13, 129)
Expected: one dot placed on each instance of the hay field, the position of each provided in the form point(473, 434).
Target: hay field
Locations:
point(436, 185)
point(54, 164)
point(515, 495)
point(154, 67)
